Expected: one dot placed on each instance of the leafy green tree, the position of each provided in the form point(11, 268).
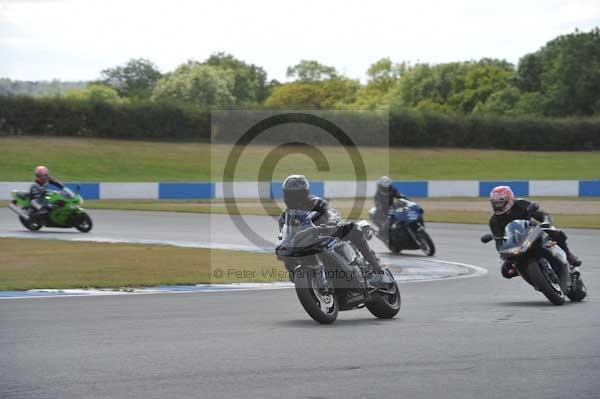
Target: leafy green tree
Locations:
point(250, 81)
point(338, 93)
point(295, 95)
point(566, 72)
point(383, 74)
point(311, 71)
point(529, 73)
point(459, 85)
point(501, 102)
point(96, 93)
point(479, 80)
point(331, 94)
point(383, 77)
point(134, 79)
point(433, 107)
point(197, 84)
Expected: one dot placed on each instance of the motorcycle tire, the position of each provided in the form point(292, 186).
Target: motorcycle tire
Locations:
point(30, 225)
point(320, 305)
point(84, 223)
point(385, 305)
point(578, 292)
point(541, 280)
point(426, 243)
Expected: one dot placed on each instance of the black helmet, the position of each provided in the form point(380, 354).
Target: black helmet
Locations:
point(295, 191)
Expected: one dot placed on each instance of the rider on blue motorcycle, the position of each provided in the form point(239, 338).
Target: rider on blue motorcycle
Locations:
point(506, 209)
point(296, 195)
point(385, 195)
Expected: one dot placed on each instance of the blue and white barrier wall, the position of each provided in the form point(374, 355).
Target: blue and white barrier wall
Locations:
point(328, 189)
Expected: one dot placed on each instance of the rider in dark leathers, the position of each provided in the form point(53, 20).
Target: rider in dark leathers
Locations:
point(37, 192)
point(296, 195)
point(385, 195)
point(506, 209)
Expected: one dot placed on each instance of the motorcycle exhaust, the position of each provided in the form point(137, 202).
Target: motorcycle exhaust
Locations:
point(19, 211)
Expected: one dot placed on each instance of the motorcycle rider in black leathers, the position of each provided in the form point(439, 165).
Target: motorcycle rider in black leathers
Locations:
point(506, 209)
point(296, 195)
point(37, 193)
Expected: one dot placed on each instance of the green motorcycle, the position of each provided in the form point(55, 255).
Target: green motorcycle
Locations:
point(66, 210)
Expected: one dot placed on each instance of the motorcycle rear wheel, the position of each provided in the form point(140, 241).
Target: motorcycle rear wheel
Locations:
point(319, 302)
point(29, 224)
point(578, 292)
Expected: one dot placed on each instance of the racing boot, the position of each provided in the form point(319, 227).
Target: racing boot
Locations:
point(573, 260)
point(378, 277)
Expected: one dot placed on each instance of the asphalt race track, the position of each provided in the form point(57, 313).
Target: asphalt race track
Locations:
point(481, 337)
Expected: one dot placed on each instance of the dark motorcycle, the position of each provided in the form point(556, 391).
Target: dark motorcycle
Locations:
point(405, 228)
point(330, 274)
point(540, 261)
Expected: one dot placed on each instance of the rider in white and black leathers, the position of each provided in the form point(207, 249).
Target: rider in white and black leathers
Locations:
point(296, 195)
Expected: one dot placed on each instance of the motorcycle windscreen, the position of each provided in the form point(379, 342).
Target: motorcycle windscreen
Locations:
point(515, 232)
point(294, 219)
point(298, 230)
point(518, 237)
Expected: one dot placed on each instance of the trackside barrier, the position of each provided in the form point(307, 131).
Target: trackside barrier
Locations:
point(328, 189)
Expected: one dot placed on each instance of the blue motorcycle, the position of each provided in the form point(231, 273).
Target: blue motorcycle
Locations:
point(405, 228)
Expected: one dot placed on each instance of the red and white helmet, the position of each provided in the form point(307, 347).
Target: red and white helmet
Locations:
point(502, 199)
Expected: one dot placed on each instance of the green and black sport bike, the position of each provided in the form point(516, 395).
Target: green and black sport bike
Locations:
point(66, 210)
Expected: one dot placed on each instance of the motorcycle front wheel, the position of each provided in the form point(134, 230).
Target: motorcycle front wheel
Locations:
point(316, 297)
point(84, 223)
point(544, 278)
point(425, 242)
point(385, 303)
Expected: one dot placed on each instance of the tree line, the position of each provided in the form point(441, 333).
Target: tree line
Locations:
point(560, 79)
point(549, 100)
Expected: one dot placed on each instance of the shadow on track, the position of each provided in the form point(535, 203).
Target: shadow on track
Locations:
point(528, 304)
point(309, 323)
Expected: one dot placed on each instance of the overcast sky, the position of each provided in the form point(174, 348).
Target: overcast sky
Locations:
point(76, 39)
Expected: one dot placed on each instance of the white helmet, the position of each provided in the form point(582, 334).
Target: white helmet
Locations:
point(384, 183)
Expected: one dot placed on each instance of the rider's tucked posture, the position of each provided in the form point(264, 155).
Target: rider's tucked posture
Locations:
point(37, 192)
point(384, 199)
point(296, 195)
point(385, 196)
point(506, 209)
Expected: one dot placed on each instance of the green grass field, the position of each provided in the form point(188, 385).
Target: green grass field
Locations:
point(83, 159)
point(27, 264)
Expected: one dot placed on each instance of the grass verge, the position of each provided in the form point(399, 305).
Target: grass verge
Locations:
point(571, 212)
point(27, 264)
point(86, 159)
